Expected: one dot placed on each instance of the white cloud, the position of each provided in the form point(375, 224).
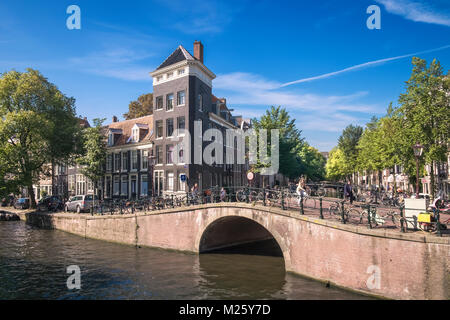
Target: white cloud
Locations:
point(117, 63)
point(362, 66)
point(431, 11)
point(251, 89)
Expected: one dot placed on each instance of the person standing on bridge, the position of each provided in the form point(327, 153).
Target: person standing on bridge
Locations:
point(348, 192)
point(301, 190)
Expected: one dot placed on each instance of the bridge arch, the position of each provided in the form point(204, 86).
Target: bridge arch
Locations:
point(231, 229)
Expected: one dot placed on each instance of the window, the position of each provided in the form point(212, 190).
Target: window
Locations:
point(169, 105)
point(124, 189)
point(109, 162)
point(81, 184)
point(169, 126)
point(159, 78)
point(110, 139)
point(159, 103)
point(169, 75)
point(90, 185)
point(181, 156)
point(181, 124)
point(200, 102)
point(108, 187)
point(136, 135)
point(144, 185)
point(116, 186)
point(71, 184)
point(144, 160)
point(169, 154)
point(159, 155)
point(170, 181)
point(180, 72)
point(181, 98)
point(125, 161)
point(159, 129)
point(117, 162)
point(134, 160)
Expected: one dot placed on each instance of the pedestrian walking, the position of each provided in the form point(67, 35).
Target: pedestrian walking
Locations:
point(348, 192)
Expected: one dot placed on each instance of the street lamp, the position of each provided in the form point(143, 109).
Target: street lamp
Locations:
point(418, 150)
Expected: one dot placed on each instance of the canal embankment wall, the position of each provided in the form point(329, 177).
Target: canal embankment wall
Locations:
point(378, 262)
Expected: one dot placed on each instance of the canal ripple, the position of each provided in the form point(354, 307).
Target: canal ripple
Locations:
point(33, 264)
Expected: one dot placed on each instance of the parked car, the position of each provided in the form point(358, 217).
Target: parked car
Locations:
point(80, 204)
point(50, 203)
point(22, 203)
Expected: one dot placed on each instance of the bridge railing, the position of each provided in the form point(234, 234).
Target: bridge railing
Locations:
point(317, 202)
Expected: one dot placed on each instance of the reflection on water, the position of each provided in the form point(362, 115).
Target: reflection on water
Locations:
point(33, 265)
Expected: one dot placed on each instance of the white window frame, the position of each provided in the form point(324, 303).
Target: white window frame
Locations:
point(178, 98)
point(134, 156)
point(142, 180)
point(144, 155)
point(124, 179)
point(170, 181)
point(122, 162)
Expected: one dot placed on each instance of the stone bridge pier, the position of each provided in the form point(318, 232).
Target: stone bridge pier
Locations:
point(378, 262)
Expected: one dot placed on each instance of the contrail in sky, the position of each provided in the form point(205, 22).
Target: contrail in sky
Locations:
point(360, 66)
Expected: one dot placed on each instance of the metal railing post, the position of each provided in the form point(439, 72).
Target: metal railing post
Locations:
point(247, 193)
point(402, 220)
point(438, 223)
point(321, 207)
point(343, 212)
point(302, 209)
point(369, 218)
point(283, 207)
point(264, 197)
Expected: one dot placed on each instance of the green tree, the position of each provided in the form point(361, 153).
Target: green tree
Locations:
point(37, 126)
point(348, 143)
point(140, 108)
point(337, 168)
point(290, 140)
point(93, 161)
point(424, 113)
point(312, 163)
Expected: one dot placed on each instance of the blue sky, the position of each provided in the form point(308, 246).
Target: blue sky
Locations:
point(254, 47)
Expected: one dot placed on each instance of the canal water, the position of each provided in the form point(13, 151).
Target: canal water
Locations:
point(33, 265)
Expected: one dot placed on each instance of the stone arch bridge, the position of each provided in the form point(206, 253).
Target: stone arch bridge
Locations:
point(377, 262)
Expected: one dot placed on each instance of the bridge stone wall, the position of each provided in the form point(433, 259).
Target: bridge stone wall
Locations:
point(377, 262)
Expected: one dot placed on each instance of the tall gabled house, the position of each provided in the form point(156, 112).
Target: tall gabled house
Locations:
point(182, 91)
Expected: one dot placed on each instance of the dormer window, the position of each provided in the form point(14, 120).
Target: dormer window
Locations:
point(135, 134)
point(169, 75)
point(110, 139)
point(180, 72)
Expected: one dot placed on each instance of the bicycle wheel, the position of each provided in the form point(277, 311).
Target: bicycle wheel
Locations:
point(354, 216)
point(321, 192)
point(396, 219)
point(333, 210)
point(253, 197)
point(241, 196)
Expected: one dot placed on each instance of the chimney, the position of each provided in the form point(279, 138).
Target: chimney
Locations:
point(114, 119)
point(198, 51)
